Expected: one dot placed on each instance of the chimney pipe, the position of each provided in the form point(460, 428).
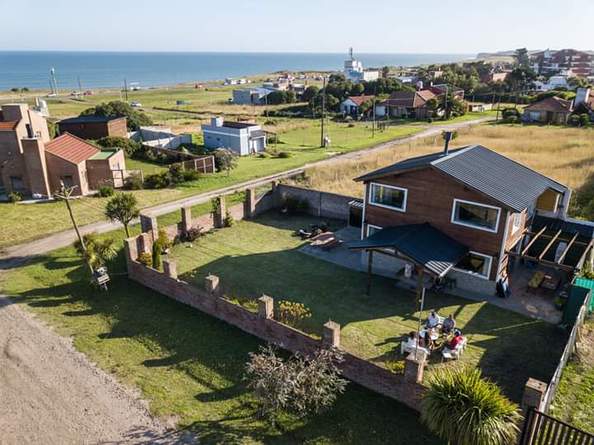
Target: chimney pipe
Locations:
point(447, 136)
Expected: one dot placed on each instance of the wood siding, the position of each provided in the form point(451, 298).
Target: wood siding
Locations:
point(430, 199)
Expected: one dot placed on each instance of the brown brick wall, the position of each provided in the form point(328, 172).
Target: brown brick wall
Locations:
point(354, 368)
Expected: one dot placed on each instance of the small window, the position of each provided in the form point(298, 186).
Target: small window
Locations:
point(476, 264)
point(388, 196)
point(478, 216)
point(372, 229)
point(68, 181)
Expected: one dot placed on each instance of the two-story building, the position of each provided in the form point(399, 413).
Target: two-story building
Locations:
point(463, 213)
point(243, 138)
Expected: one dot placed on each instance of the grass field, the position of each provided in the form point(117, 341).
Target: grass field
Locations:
point(564, 154)
point(261, 257)
point(574, 401)
point(187, 365)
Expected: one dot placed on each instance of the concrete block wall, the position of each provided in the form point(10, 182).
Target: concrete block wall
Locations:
point(396, 386)
point(324, 204)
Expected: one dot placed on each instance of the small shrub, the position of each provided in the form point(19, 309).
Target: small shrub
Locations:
point(512, 120)
point(584, 120)
point(292, 313)
point(273, 138)
point(574, 120)
point(191, 175)
point(176, 174)
point(157, 252)
point(134, 182)
point(146, 258)
point(106, 191)
point(228, 221)
point(270, 122)
point(351, 125)
point(395, 366)
point(192, 234)
point(157, 181)
point(164, 241)
point(284, 154)
point(263, 155)
point(15, 197)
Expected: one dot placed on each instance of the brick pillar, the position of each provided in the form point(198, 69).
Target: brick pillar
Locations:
point(266, 307)
point(249, 204)
point(148, 224)
point(212, 285)
point(414, 368)
point(219, 216)
point(131, 249)
point(534, 392)
point(146, 243)
point(331, 334)
point(186, 219)
point(170, 268)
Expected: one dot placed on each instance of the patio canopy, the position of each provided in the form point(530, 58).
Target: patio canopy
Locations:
point(421, 244)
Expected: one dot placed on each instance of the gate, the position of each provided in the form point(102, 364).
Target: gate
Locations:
point(541, 429)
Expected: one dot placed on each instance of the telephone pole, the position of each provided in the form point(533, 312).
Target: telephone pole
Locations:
point(322, 135)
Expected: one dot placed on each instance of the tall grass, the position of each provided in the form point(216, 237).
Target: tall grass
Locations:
point(564, 154)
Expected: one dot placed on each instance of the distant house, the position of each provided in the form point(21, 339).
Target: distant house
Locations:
point(438, 89)
point(494, 77)
point(160, 137)
point(94, 127)
point(352, 104)
point(251, 96)
point(354, 71)
point(584, 102)
point(551, 110)
point(241, 137)
point(479, 107)
point(406, 104)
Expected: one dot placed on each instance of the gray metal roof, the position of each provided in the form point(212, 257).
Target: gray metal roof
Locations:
point(90, 118)
point(506, 181)
point(427, 246)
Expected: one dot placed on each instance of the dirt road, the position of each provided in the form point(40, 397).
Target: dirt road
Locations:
point(51, 394)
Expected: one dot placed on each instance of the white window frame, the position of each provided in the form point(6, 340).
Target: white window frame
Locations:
point(486, 229)
point(516, 218)
point(398, 209)
point(371, 226)
point(475, 274)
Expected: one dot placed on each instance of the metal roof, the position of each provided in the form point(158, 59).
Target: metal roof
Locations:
point(422, 243)
point(85, 119)
point(506, 181)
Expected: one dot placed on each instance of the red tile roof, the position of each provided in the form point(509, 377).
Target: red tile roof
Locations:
point(359, 100)
point(8, 126)
point(553, 104)
point(71, 148)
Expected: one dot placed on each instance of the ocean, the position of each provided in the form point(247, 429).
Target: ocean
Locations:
point(19, 69)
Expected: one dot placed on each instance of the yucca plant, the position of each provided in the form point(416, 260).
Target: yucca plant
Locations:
point(98, 250)
point(462, 408)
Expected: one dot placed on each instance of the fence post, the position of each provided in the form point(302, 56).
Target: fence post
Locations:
point(148, 224)
point(534, 393)
point(219, 214)
point(266, 307)
point(331, 334)
point(212, 285)
point(249, 204)
point(414, 367)
point(186, 215)
point(170, 268)
point(146, 243)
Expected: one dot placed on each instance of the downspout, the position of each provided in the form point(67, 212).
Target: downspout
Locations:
point(363, 215)
point(503, 243)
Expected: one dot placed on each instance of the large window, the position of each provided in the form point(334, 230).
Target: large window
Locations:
point(473, 214)
point(476, 264)
point(388, 196)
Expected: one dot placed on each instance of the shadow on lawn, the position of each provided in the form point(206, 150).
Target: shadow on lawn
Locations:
point(213, 354)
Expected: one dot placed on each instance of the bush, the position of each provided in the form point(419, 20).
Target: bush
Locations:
point(292, 313)
point(157, 252)
point(15, 197)
point(395, 366)
point(512, 120)
point(157, 181)
point(164, 241)
point(130, 147)
point(228, 221)
point(507, 113)
point(106, 191)
point(192, 234)
point(146, 258)
point(584, 120)
point(134, 182)
point(284, 154)
point(176, 174)
point(191, 175)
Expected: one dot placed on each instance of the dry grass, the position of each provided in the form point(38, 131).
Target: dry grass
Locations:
point(565, 154)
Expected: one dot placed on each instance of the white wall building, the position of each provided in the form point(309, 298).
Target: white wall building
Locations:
point(354, 71)
point(241, 137)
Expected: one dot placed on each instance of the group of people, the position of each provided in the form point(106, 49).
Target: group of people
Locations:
point(436, 329)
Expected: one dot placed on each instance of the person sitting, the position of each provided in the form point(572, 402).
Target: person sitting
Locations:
point(410, 343)
point(455, 343)
point(448, 325)
point(433, 320)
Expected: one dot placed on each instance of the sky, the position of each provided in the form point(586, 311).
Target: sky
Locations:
point(377, 26)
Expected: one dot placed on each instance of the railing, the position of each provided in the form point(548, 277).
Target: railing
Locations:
point(541, 429)
point(567, 352)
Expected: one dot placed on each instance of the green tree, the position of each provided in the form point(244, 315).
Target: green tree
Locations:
point(309, 93)
point(99, 250)
point(357, 89)
point(385, 72)
point(522, 58)
point(117, 108)
point(123, 207)
point(130, 147)
point(225, 160)
point(462, 408)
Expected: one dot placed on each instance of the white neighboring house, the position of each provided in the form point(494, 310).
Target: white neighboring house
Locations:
point(351, 105)
point(553, 82)
point(241, 137)
point(251, 96)
point(160, 137)
point(354, 71)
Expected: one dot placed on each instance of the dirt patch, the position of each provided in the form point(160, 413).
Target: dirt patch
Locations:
point(52, 394)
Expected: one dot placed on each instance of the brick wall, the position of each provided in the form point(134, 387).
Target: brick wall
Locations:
point(396, 386)
point(324, 204)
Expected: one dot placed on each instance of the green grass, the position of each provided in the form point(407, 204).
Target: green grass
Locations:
point(187, 364)
point(574, 401)
point(261, 257)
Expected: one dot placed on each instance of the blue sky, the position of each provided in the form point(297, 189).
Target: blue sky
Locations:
point(428, 26)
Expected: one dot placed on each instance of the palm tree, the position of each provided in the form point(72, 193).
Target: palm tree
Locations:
point(462, 408)
point(98, 250)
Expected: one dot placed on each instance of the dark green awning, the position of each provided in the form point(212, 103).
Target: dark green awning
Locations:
point(422, 243)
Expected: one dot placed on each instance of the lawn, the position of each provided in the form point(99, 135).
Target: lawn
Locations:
point(574, 401)
point(262, 257)
point(189, 365)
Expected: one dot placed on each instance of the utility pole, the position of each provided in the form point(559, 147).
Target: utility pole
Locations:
point(65, 194)
point(445, 107)
point(322, 135)
point(126, 90)
point(79, 84)
point(373, 105)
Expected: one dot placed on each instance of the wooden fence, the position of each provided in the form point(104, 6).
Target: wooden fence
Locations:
point(542, 429)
